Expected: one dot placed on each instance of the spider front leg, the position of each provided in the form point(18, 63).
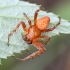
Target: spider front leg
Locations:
point(51, 29)
point(36, 14)
point(29, 21)
point(39, 46)
point(14, 30)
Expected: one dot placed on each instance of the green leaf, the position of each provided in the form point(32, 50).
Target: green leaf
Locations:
point(0, 62)
point(11, 13)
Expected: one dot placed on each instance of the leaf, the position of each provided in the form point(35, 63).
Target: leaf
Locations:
point(11, 13)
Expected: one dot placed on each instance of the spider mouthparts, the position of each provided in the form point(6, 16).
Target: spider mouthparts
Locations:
point(27, 40)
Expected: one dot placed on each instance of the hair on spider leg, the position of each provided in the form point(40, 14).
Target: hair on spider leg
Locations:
point(16, 57)
point(27, 50)
point(42, 8)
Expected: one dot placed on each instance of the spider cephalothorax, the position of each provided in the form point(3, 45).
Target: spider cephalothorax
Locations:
point(33, 33)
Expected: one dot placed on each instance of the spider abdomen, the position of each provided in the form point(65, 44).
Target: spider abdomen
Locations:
point(43, 23)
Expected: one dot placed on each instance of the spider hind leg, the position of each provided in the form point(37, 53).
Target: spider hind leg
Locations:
point(40, 48)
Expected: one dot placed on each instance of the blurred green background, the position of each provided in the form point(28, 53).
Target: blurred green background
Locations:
point(57, 56)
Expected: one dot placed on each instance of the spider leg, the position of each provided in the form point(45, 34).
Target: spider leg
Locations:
point(29, 21)
point(47, 37)
point(14, 30)
point(51, 29)
point(36, 14)
point(39, 46)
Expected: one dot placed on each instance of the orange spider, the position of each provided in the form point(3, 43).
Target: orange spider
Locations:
point(33, 33)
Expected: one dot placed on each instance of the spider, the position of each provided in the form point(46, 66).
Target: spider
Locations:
point(33, 33)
